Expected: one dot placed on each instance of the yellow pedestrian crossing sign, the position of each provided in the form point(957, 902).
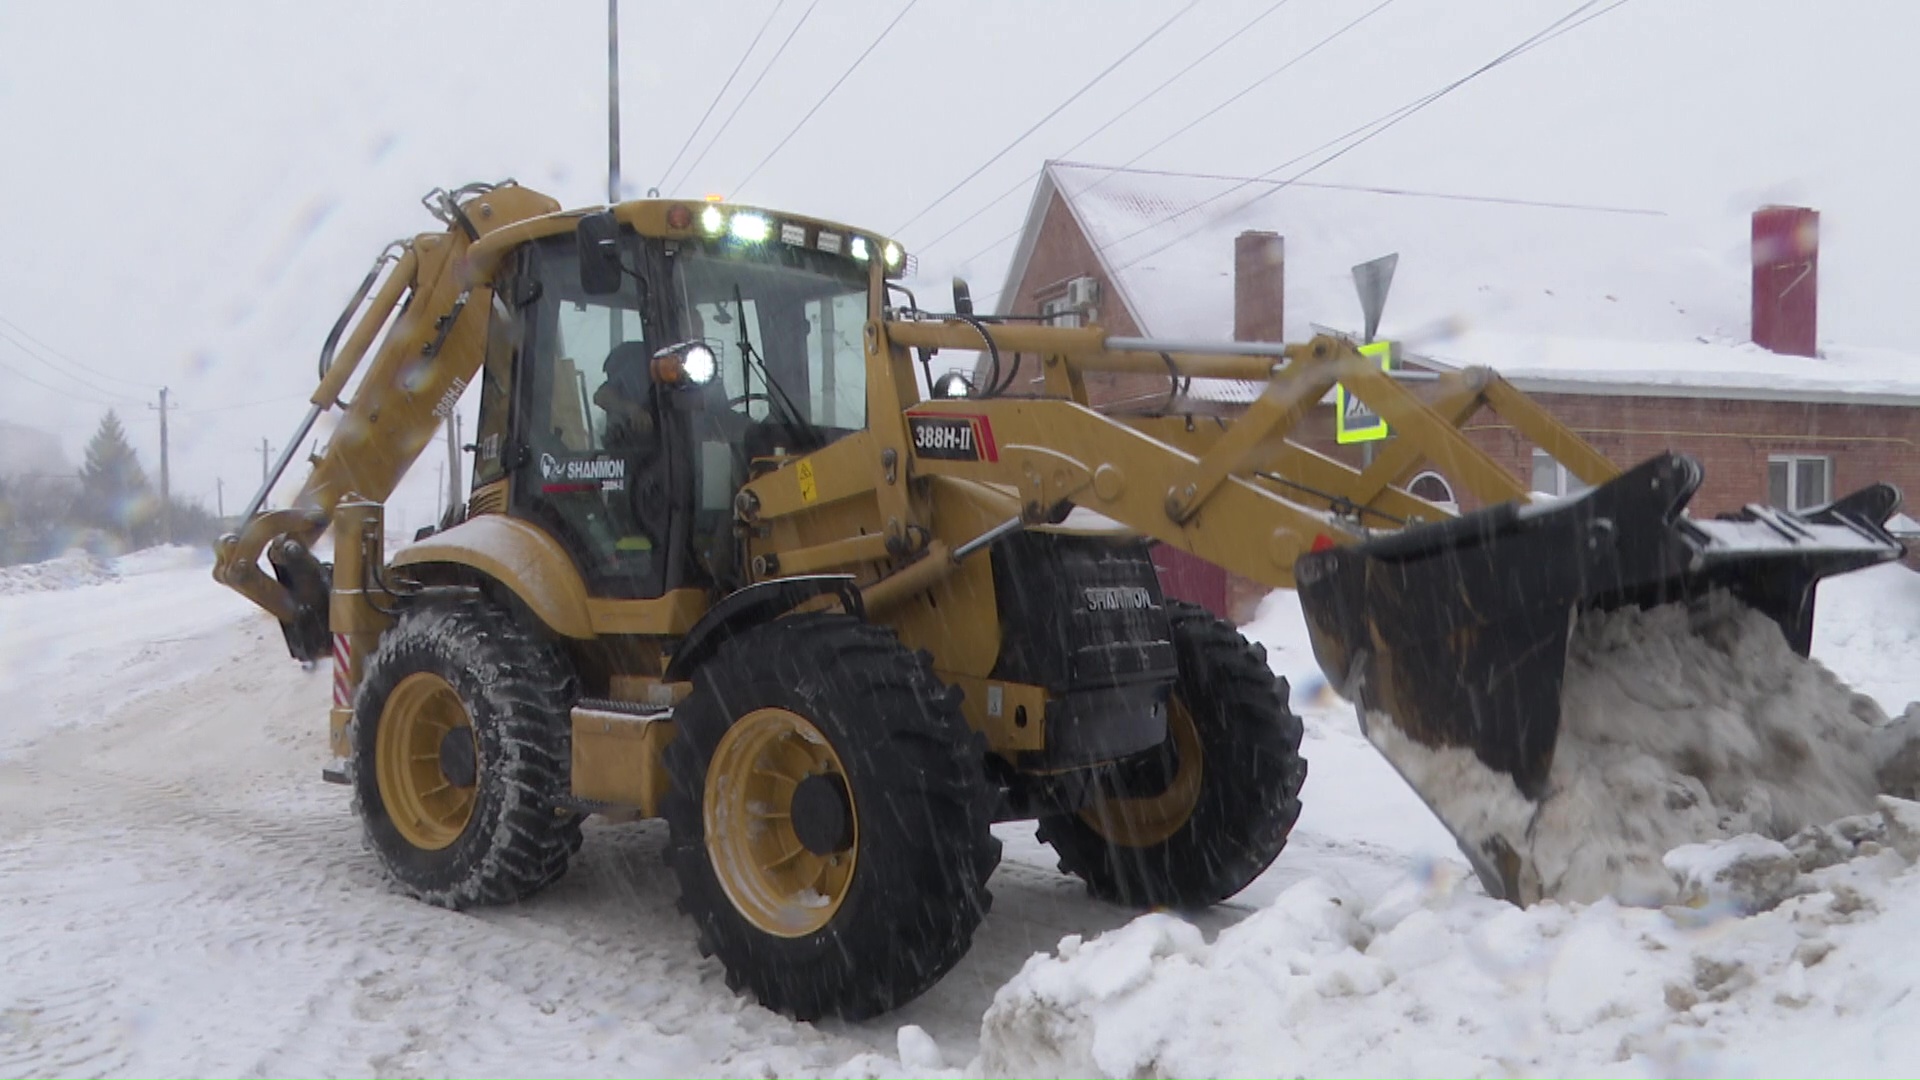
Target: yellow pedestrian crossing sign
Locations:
point(1353, 422)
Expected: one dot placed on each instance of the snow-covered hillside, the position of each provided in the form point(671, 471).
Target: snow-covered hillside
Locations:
point(184, 896)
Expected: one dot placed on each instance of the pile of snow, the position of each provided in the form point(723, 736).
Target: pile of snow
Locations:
point(79, 568)
point(1866, 630)
point(163, 559)
point(1281, 629)
point(66, 572)
point(1434, 979)
point(1679, 724)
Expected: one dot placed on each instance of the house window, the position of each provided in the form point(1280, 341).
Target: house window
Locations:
point(1552, 478)
point(1434, 488)
point(1799, 481)
point(1060, 311)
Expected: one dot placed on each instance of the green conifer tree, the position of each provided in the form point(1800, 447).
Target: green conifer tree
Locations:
point(114, 492)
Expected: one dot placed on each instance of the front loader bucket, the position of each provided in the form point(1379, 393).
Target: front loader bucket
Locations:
point(1453, 636)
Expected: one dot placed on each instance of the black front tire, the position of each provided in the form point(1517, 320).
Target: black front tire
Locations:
point(912, 777)
point(1217, 818)
point(516, 690)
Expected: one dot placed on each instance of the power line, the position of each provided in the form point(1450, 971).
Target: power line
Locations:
point(68, 393)
point(242, 404)
point(857, 61)
point(84, 367)
point(117, 395)
point(1371, 129)
point(748, 96)
point(1075, 96)
point(1121, 115)
point(1378, 126)
point(751, 45)
point(1374, 189)
point(1575, 26)
point(1203, 117)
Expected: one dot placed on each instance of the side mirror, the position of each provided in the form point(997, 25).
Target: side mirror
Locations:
point(962, 297)
point(598, 239)
point(952, 385)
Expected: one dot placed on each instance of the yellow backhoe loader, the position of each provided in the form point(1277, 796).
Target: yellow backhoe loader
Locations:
point(722, 562)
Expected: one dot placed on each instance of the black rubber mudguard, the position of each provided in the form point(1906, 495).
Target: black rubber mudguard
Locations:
point(1458, 631)
point(747, 608)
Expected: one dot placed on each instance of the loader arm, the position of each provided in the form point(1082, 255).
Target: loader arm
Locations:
point(1242, 493)
point(1446, 631)
point(434, 321)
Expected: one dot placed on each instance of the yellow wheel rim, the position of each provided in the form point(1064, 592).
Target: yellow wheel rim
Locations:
point(1145, 822)
point(772, 878)
point(430, 810)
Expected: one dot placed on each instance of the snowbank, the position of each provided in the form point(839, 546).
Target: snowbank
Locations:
point(1437, 980)
point(1278, 625)
point(1866, 630)
point(65, 572)
point(77, 569)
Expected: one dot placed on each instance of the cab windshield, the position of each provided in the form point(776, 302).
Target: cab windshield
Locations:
point(786, 324)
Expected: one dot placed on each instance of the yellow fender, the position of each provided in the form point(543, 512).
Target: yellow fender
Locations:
point(522, 557)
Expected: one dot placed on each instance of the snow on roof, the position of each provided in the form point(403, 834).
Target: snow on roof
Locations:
point(1732, 369)
point(1537, 291)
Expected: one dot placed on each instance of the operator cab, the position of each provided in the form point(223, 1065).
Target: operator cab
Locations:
point(634, 383)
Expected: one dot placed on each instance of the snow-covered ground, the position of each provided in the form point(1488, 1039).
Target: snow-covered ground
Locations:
point(184, 896)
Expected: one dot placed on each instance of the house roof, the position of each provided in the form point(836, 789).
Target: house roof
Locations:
point(1551, 295)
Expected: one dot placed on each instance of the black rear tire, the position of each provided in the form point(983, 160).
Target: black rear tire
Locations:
point(907, 882)
point(516, 691)
point(1216, 818)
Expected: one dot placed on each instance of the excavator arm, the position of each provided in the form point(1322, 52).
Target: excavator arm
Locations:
point(434, 322)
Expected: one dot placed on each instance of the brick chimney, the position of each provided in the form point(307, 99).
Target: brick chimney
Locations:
point(1259, 286)
point(1786, 280)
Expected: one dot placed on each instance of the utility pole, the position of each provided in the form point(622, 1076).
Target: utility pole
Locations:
point(263, 471)
point(613, 102)
point(166, 493)
point(220, 498)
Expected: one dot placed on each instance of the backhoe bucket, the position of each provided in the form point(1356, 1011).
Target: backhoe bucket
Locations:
point(1455, 635)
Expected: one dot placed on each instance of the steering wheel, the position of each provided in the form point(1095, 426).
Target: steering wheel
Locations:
point(748, 398)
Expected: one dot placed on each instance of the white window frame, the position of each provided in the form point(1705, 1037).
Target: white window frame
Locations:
point(1792, 463)
point(1564, 482)
point(1450, 502)
point(1059, 311)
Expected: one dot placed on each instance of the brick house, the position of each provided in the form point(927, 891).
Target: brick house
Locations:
point(1608, 317)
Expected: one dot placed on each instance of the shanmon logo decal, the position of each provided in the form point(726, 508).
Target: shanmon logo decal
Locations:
point(1117, 598)
point(947, 437)
point(582, 474)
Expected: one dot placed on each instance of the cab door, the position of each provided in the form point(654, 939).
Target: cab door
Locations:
point(594, 459)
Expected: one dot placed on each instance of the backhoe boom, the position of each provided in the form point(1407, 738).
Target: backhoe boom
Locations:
point(426, 358)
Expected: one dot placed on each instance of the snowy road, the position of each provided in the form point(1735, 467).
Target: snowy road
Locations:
point(184, 896)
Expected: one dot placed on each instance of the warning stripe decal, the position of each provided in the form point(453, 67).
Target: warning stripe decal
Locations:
point(342, 669)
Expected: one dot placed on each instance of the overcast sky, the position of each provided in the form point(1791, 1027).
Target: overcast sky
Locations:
point(189, 192)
